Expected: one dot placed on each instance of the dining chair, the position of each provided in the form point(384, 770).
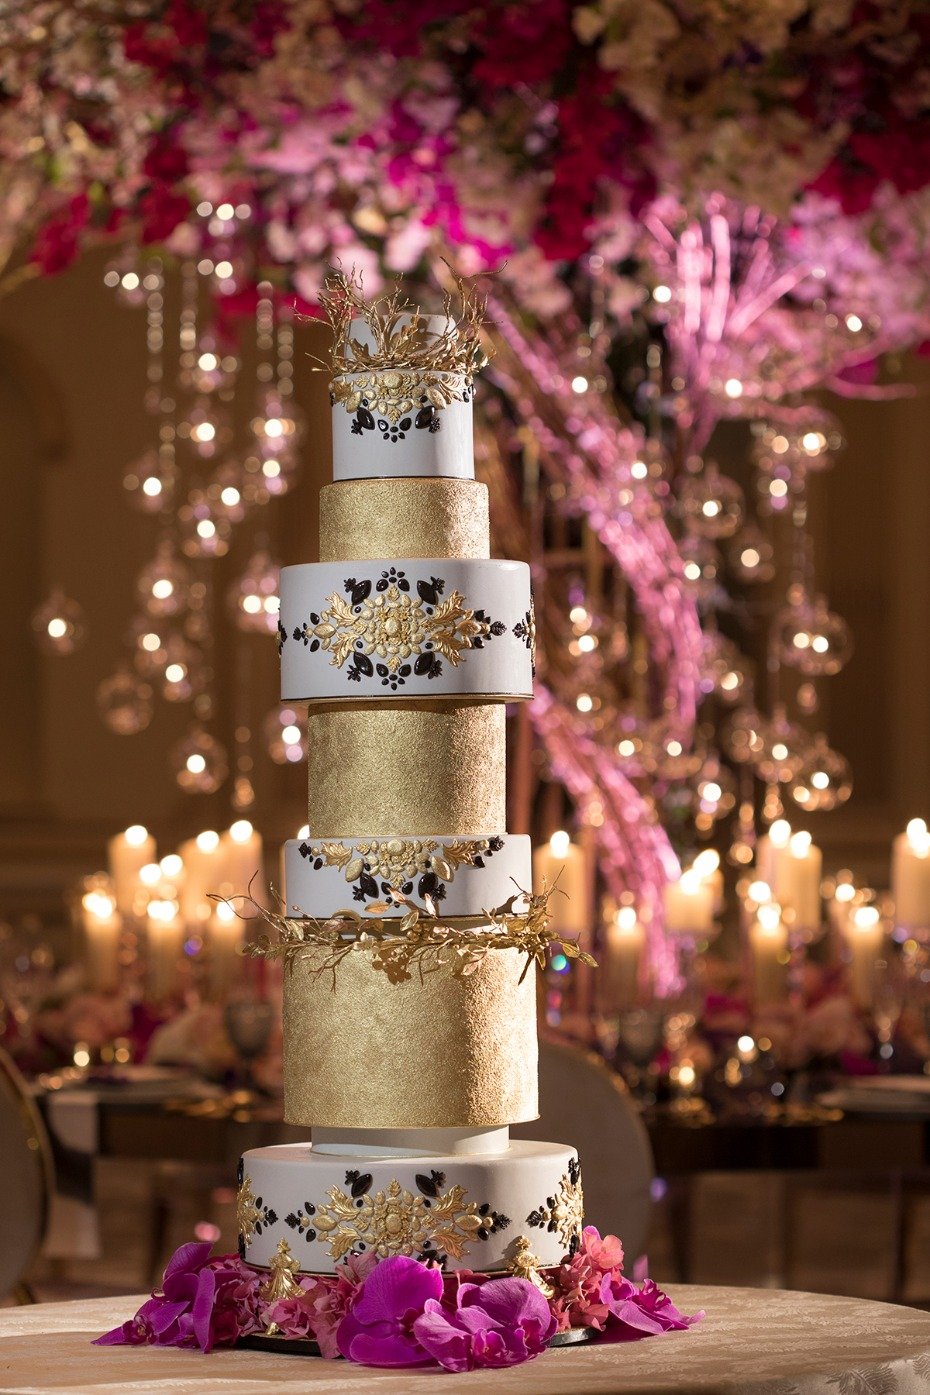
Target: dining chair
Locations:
point(584, 1103)
point(27, 1176)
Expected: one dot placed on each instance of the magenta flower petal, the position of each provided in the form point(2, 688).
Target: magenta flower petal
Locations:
point(499, 1323)
point(369, 1348)
point(189, 1258)
point(378, 1328)
point(395, 1287)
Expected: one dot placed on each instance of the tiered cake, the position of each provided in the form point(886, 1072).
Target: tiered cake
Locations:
point(407, 642)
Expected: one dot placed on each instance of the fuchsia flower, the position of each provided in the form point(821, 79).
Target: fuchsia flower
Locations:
point(500, 1323)
point(200, 1304)
point(378, 1328)
point(578, 1301)
point(641, 1312)
point(327, 1300)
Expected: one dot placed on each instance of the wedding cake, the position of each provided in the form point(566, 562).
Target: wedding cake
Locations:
point(410, 945)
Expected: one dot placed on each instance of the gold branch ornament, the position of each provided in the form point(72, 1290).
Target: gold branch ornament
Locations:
point(418, 942)
point(408, 362)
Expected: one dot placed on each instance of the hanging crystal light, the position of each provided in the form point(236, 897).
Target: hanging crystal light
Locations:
point(824, 781)
point(58, 624)
point(182, 672)
point(149, 482)
point(810, 637)
point(701, 567)
point(147, 639)
point(785, 747)
point(751, 556)
point(124, 701)
point(284, 735)
point(253, 597)
point(206, 429)
point(743, 738)
point(202, 532)
point(164, 583)
point(710, 503)
point(199, 762)
point(723, 668)
point(227, 491)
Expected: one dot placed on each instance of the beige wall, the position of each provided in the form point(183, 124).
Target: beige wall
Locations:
point(72, 378)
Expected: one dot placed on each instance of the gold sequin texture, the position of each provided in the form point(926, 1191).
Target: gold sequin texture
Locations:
point(437, 1052)
point(393, 518)
point(405, 770)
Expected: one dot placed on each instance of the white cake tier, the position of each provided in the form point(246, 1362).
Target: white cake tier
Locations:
point(466, 1211)
point(463, 876)
point(421, 435)
point(391, 421)
point(408, 628)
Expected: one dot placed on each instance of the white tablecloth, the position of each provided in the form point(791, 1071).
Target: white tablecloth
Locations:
point(752, 1342)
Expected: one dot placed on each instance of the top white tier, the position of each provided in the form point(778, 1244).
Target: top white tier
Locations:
point(402, 422)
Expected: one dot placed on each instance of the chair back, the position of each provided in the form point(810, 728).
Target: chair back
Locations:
point(26, 1178)
point(583, 1103)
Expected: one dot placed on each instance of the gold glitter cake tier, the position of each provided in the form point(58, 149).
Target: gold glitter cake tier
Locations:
point(386, 769)
point(436, 1051)
point(389, 518)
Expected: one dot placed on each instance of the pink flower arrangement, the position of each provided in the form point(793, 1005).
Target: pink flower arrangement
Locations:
point(401, 1312)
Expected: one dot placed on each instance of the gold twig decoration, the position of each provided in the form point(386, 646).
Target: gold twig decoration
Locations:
point(402, 344)
point(419, 941)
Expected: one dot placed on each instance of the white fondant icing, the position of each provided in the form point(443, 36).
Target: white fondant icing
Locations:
point(394, 642)
point(411, 1143)
point(322, 890)
point(425, 442)
point(286, 1181)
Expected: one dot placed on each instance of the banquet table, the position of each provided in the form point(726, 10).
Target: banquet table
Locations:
point(751, 1342)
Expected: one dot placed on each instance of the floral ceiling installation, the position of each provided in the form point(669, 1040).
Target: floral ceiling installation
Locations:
point(736, 190)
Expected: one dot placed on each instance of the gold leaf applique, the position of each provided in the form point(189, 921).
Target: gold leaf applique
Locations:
point(396, 1221)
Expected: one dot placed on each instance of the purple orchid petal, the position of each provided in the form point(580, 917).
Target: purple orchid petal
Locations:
point(370, 1347)
point(443, 1340)
point(395, 1287)
point(202, 1308)
point(189, 1258)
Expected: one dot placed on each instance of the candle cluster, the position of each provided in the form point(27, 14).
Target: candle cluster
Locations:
point(168, 901)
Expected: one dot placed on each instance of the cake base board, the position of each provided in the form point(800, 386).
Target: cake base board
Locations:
point(306, 1346)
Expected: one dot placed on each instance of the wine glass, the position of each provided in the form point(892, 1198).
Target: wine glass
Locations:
point(248, 1023)
point(640, 1032)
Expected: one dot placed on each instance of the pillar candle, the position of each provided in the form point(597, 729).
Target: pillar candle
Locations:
point(707, 866)
point(910, 876)
point(243, 870)
point(768, 948)
point(560, 863)
point(865, 942)
point(797, 881)
point(771, 850)
point(225, 962)
point(127, 853)
point(689, 905)
point(102, 926)
point(164, 948)
point(625, 941)
point(203, 873)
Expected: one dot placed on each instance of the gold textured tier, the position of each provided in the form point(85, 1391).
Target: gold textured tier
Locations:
point(386, 769)
point(361, 519)
point(433, 1052)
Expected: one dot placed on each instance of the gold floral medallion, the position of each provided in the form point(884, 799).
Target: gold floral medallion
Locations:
point(247, 1213)
point(563, 1212)
point(396, 1221)
point(252, 1215)
point(396, 626)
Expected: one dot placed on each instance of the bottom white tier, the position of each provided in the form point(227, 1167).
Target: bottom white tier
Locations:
point(464, 1211)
